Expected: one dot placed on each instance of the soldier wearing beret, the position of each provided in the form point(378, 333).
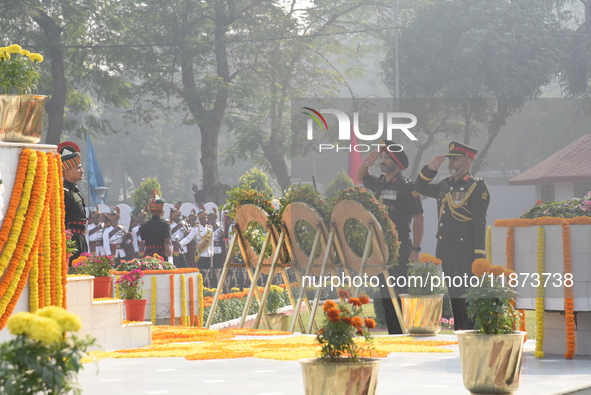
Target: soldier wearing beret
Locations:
point(397, 193)
point(462, 201)
point(73, 201)
point(156, 231)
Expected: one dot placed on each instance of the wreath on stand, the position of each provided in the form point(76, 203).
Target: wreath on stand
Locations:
point(356, 234)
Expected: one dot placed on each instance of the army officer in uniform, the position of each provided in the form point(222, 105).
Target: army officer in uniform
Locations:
point(397, 193)
point(73, 201)
point(462, 201)
point(156, 231)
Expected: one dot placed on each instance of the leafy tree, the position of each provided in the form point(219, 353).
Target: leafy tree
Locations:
point(143, 194)
point(503, 51)
point(257, 180)
point(342, 181)
point(77, 81)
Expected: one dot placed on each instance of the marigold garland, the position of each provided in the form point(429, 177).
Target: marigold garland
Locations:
point(15, 200)
point(172, 314)
point(569, 303)
point(192, 302)
point(117, 288)
point(200, 300)
point(177, 271)
point(489, 244)
point(153, 300)
point(56, 221)
point(510, 248)
point(62, 264)
point(16, 275)
point(540, 291)
point(184, 316)
point(540, 221)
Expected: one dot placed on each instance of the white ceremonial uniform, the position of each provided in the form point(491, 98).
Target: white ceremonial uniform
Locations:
point(114, 243)
point(198, 233)
point(94, 239)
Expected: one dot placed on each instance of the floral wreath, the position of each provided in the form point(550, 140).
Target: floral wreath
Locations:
point(239, 196)
point(304, 193)
point(379, 211)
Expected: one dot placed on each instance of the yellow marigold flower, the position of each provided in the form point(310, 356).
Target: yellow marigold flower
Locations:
point(333, 314)
point(20, 322)
point(276, 288)
point(68, 322)
point(234, 289)
point(24, 52)
point(45, 330)
point(14, 48)
point(5, 55)
point(329, 304)
point(497, 270)
point(480, 267)
point(356, 321)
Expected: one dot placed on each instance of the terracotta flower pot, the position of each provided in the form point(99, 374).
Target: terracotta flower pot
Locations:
point(135, 309)
point(102, 287)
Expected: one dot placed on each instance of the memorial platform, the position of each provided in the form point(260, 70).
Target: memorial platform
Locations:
point(400, 373)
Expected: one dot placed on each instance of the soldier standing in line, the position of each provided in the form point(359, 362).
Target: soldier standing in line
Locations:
point(397, 193)
point(192, 245)
point(139, 245)
point(218, 234)
point(95, 233)
point(179, 229)
point(202, 233)
point(74, 203)
point(114, 237)
point(156, 231)
point(462, 201)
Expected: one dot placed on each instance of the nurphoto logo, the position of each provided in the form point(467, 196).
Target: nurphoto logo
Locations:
point(392, 120)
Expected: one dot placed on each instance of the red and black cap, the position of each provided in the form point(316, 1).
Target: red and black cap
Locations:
point(459, 149)
point(70, 153)
point(396, 153)
point(115, 213)
point(157, 203)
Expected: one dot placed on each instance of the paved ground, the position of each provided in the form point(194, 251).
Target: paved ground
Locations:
point(400, 373)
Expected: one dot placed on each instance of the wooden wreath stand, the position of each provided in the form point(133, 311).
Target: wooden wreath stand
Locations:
point(370, 264)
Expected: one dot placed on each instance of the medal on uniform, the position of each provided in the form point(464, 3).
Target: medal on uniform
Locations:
point(389, 195)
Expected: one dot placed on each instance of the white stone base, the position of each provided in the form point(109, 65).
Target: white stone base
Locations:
point(103, 320)
point(555, 333)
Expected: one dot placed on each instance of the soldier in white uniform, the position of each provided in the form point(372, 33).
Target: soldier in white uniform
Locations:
point(202, 233)
point(179, 228)
point(218, 238)
point(139, 245)
point(95, 234)
point(113, 237)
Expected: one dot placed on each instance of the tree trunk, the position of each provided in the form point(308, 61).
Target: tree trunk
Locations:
point(56, 104)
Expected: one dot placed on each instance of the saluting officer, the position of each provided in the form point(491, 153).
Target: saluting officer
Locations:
point(73, 201)
point(397, 193)
point(462, 201)
point(156, 231)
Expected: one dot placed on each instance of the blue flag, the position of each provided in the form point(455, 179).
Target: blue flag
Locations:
point(93, 171)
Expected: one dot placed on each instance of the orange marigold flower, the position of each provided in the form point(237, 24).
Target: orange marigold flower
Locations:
point(497, 270)
point(346, 320)
point(333, 314)
point(355, 301)
point(508, 272)
point(356, 321)
point(364, 299)
point(343, 293)
point(329, 304)
point(359, 331)
point(370, 323)
point(480, 267)
point(424, 258)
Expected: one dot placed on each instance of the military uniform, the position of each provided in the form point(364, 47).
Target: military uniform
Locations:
point(402, 201)
point(178, 232)
point(461, 230)
point(75, 217)
point(95, 239)
point(113, 241)
point(154, 232)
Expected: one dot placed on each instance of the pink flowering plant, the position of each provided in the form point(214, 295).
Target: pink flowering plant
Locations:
point(131, 285)
point(97, 266)
point(155, 262)
point(576, 207)
point(70, 244)
point(447, 323)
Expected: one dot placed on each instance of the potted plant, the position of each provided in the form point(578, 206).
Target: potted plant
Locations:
point(44, 357)
point(490, 355)
point(422, 307)
point(275, 300)
point(20, 112)
point(98, 266)
point(132, 292)
point(343, 366)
